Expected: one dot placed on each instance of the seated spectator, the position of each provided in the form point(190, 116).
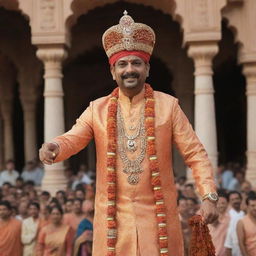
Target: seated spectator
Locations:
point(6, 188)
point(189, 191)
point(192, 206)
point(73, 219)
point(227, 175)
point(235, 213)
point(23, 211)
point(90, 192)
point(30, 228)
point(68, 206)
point(184, 216)
point(236, 182)
point(10, 231)
point(19, 183)
point(219, 228)
point(246, 229)
point(69, 174)
point(9, 174)
point(31, 172)
point(55, 238)
point(44, 214)
point(45, 197)
point(61, 197)
point(180, 184)
point(84, 231)
point(80, 193)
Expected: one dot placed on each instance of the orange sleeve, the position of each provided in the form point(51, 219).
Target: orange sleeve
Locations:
point(192, 151)
point(77, 138)
point(40, 243)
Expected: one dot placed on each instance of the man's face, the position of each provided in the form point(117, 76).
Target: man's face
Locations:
point(130, 72)
point(5, 213)
point(33, 211)
point(191, 206)
point(235, 201)
point(88, 207)
point(77, 207)
point(68, 206)
point(222, 204)
point(183, 207)
point(10, 166)
point(251, 208)
point(80, 194)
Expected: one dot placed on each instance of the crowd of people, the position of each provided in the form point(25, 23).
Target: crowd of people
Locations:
point(234, 233)
point(33, 222)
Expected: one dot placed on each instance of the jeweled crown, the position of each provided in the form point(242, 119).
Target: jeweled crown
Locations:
point(128, 35)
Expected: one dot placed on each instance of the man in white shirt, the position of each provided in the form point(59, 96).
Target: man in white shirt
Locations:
point(30, 230)
point(10, 174)
point(32, 173)
point(235, 212)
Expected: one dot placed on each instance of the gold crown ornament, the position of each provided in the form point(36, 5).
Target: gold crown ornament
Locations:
point(128, 36)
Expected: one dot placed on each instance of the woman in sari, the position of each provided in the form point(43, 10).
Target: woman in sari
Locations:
point(56, 238)
point(83, 242)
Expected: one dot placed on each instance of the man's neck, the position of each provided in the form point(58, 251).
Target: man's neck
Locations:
point(130, 93)
point(236, 209)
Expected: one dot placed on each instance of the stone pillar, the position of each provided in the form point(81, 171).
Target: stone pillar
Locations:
point(29, 113)
point(249, 70)
point(205, 121)
point(1, 145)
point(7, 114)
point(52, 58)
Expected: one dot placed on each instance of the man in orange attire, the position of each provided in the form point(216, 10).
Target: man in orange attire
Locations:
point(10, 232)
point(246, 229)
point(74, 218)
point(219, 228)
point(134, 129)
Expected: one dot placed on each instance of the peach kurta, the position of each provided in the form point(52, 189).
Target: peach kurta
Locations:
point(137, 226)
point(10, 238)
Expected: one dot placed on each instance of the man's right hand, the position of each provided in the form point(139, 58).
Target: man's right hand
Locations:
point(48, 152)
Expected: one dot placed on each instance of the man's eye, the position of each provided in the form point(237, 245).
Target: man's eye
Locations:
point(121, 64)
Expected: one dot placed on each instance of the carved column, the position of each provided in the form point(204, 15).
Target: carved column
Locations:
point(52, 58)
point(7, 114)
point(249, 70)
point(1, 144)
point(205, 122)
point(29, 113)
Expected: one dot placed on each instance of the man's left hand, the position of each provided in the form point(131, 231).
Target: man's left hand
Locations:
point(208, 211)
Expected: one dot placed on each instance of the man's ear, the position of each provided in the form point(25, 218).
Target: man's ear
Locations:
point(148, 68)
point(112, 70)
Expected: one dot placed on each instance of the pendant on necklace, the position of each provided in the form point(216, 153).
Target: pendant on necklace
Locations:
point(132, 127)
point(133, 179)
point(131, 145)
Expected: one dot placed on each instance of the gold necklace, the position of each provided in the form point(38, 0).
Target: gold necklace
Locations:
point(128, 142)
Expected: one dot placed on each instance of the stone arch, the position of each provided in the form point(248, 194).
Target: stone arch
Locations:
point(228, 13)
point(234, 30)
point(80, 7)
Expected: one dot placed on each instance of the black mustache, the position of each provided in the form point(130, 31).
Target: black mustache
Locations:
point(130, 75)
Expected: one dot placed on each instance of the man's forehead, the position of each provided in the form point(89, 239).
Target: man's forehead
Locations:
point(130, 58)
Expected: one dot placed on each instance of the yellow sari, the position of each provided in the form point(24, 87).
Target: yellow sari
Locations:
point(54, 241)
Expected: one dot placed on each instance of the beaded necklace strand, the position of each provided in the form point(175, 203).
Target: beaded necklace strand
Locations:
point(153, 168)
